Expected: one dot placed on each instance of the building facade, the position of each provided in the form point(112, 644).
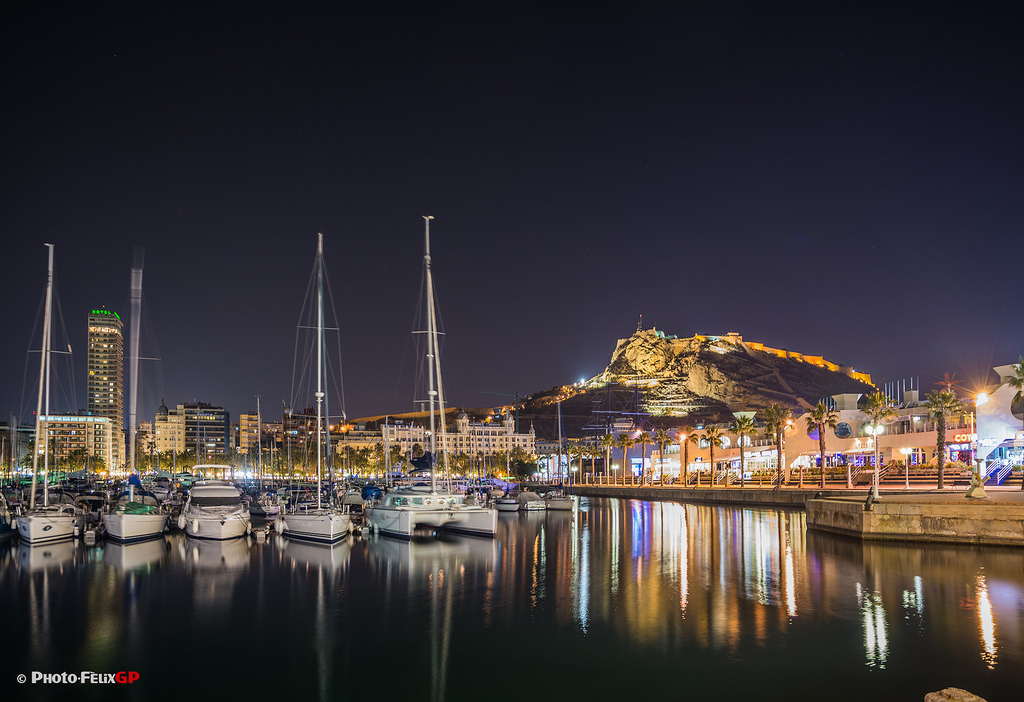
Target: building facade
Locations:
point(105, 369)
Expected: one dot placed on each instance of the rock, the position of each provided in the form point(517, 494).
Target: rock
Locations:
point(952, 693)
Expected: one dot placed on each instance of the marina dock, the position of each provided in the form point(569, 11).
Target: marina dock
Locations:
point(946, 516)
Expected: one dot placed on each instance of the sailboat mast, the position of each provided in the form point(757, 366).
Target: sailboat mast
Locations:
point(44, 385)
point(319, 359)
point(431, 349)
point(133, 352)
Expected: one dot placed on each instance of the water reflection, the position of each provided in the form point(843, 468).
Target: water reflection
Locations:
point(617, 586)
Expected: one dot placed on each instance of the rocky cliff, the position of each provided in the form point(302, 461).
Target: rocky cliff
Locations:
point(697, 378)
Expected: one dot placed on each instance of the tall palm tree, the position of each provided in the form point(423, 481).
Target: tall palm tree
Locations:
point(713, 435)
point(607, 443)
point(662, 438)
point(879, 408)
point(743, 426)
point(643, 440)
point(686, 437)
point(949, 382)
point(776, 417)
point(820, 417)
point(942, 405)
point(624, 442)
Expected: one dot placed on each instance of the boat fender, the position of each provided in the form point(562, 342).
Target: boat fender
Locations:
point(248, 528)
point(195, 525)
point(280, 525)
point(181, 521)
point(76, 531)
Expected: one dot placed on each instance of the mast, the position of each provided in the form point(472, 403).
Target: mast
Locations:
point(259, 445)
point(431, 342)
point(44, 382)
point(133, 351)
point(319, 358)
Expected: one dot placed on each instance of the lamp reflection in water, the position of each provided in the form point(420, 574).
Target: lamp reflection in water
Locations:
point(986, 624)
point(876, 629)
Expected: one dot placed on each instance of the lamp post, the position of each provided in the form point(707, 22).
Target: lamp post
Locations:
point(907, 453)
point(875, 430)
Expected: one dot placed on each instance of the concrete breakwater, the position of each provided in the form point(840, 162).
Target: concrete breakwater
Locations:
point(930, 515)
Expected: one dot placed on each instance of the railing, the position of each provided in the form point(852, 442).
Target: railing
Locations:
point(998, 472)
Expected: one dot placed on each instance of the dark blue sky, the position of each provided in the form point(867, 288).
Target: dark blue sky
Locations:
point(841, 179)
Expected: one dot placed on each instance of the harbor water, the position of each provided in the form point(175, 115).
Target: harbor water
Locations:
point(614, 600)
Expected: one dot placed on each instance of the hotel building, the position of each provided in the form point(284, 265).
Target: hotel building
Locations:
point(105, 367)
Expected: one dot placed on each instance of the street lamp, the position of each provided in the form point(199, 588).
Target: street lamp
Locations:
point(875, 430)
point(907, 453)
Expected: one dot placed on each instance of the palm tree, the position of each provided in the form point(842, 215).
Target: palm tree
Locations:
point(686, 437)
point(879, 408)
point(624, 442)
point(713, 435)
point(949, 382)
point(744, 425)
point(607, 443)
point(941, 405)
point(776, 417)
point(820, 417)
point(662, 438)
point(643, 440)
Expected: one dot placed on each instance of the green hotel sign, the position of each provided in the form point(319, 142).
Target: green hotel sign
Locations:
point(114, 314)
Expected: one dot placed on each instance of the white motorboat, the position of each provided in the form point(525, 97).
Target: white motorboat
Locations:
point(138, 516)
point(531, 502)
point(557, 501)
point(507, 503)
point(214, 510)
point(321, 524)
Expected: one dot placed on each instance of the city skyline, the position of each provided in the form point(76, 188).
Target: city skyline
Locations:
point(846, 185)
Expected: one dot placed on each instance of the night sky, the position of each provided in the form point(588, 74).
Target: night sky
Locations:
point(842, 179)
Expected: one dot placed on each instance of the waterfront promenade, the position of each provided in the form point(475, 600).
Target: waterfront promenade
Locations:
point(918, 514)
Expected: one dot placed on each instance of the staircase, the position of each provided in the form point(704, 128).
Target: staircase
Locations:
point(998, 472)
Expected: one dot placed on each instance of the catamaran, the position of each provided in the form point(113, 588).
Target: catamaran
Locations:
point(402, 511)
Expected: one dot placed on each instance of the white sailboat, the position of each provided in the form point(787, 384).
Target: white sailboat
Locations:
point(46, 523)
point(322, 524)
point(138, 514)
point(402, 511)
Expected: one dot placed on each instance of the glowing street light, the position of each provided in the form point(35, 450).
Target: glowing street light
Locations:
point(875, 430)
point(907, 453)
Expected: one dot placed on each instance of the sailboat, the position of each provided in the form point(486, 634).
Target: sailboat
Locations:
point(402, 511)
point(323, 524)
point(556, 499)
point(49, 522)
point(138, 514)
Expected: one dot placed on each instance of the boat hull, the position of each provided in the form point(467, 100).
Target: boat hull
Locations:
point(403, 522)
point(130, 528)
point(476, 521)
point(325, 526)
point(507, 506)
point(565, 503)
point(217, 528)
point(44, 526)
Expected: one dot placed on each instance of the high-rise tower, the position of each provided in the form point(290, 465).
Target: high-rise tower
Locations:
point(106, 375)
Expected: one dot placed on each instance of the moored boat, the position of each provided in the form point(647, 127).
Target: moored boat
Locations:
point(137, 516)
point(214, 510)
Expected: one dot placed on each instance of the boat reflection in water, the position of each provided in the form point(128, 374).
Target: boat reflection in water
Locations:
point(138, 556)
point(713, 602)
point(56, 556)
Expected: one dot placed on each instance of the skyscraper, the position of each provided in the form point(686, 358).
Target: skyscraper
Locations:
point(106, 375)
